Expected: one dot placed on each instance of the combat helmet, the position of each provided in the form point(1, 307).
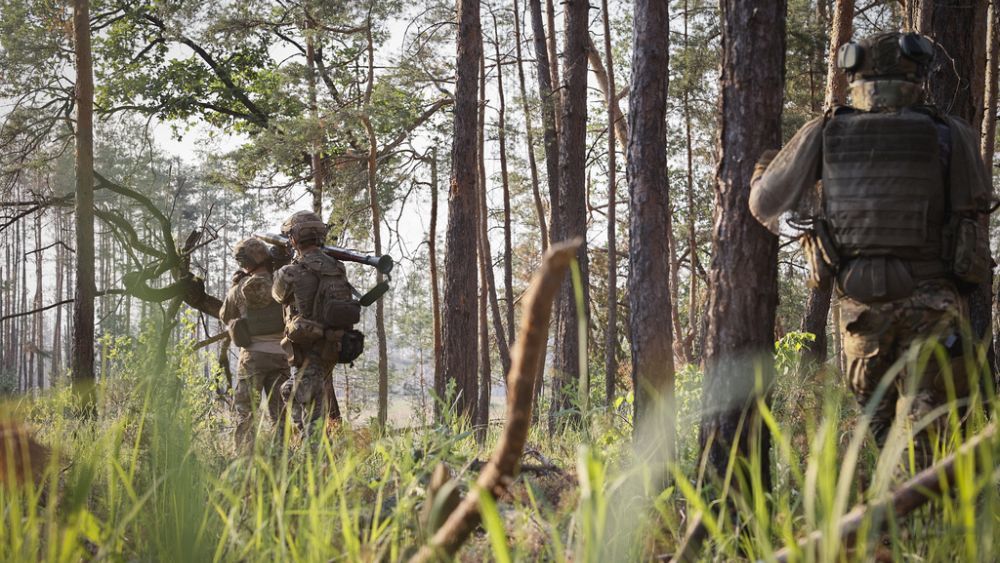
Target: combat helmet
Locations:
point(251, 252)
point(886, 70)
point(305, 227)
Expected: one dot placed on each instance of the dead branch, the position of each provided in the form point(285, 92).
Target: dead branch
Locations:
point(921, 489)
point(210, 340)
point(528, 350)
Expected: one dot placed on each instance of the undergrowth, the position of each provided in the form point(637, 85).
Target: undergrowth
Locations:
point(156, 477)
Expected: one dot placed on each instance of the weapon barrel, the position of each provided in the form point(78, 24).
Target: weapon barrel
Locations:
point(382, 263)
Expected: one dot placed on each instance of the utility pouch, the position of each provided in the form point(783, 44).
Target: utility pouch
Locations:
point(971, 262)
point(876, 279)
point(351, 346)
point(302, 331)
point(339, 313)
point(820, 274)
point(293, 353)
point(239, 332)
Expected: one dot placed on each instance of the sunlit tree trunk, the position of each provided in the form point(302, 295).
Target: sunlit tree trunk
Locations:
point(818, 303)
point(439, 382)
point(508, 251)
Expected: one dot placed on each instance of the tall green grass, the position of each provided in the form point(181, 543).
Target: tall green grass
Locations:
point(156, 477)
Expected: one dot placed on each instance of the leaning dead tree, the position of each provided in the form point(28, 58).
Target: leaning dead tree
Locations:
point(529, 346)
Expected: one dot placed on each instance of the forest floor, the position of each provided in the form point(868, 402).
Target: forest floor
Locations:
point(156, 477)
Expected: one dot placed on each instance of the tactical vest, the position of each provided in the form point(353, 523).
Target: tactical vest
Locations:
point(884, 192)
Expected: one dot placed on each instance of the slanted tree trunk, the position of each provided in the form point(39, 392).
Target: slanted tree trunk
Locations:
point(83, 304)
point(818, 303)
point(611, 331)
point(459, 359)
point(956, 86)
point(526, 109)
point(572, 210)
point(743, 273)
point(439, 381)
point(649, 255)
point(605, 82)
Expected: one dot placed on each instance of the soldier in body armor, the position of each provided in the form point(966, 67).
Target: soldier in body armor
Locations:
point(319, 313)
point(255, 325)
point(890, 194)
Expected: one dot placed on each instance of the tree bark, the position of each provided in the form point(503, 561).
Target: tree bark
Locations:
point(508, 251)
point(572, 209)
point(743, 273)
point(956, 86)
point(649, 255)
point(460, 361)
point(550, 143)
point(611, 331)
point(553, 57)
point(439, 381)
point(316, 156)
point(532, 164)
point(606, 83)
point(383, 353)
point(83, 304)
point(689, 348)
point(818, 303)
point(485, 267)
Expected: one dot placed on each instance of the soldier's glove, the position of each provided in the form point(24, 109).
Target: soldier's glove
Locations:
point(762, 163)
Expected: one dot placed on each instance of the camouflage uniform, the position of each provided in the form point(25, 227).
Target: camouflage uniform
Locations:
point(877, 190)
point(295, 287)
point(262, 366)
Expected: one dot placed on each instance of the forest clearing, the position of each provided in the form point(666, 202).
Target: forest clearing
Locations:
point(481, 280)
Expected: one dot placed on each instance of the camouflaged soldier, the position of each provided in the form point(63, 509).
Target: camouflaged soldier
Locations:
point(893, 223)
point(255, 325)
point(319, 311)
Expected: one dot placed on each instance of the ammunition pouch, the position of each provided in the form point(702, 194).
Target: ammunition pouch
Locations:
point(239, 332)
point(303, 331)
point(352, 344)
point(968, 251)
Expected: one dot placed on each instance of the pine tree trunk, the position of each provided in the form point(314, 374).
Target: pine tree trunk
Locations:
point(485, 267)
point(83, 305)
point(39, 317)
point(649, 253)
point(743, 273)
point(572, 211)
point(508, 251)
point(552, 46)
point(818, 304)
point(383, 353)
point(316, 156)
point(439, 382)
point(532, 164)
point(57, 324)
point(550, 141)
point(956, 86)
point(989, 130)
point(460, 360)
point(693, 316)
point(611, 331)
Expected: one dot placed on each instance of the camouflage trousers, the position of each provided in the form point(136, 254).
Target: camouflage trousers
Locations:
point(309, 392)
point(877, 335)
point(258, 372)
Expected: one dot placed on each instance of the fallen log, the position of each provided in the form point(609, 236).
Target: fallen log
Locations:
point(500, 471)
point(922, 488)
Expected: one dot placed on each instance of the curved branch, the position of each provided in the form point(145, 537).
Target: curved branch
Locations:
point(526, 357)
